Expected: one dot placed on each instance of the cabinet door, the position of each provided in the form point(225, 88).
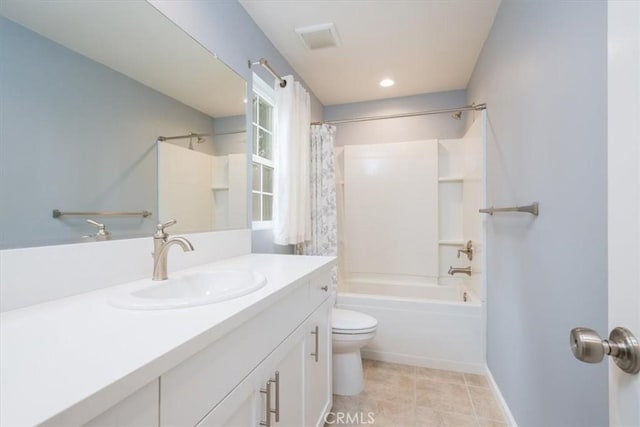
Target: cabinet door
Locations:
point(318, 374)
point(240, 407)
point(246, 405)
point(288, 392)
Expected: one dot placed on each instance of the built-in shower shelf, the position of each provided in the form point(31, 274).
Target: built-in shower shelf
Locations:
point(220, 188)
point(451, 179)
point(451, 242)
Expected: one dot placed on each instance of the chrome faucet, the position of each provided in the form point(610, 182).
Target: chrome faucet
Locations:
point(161, 245)
point(102, 233)
point(467, 249)
point(465, 270)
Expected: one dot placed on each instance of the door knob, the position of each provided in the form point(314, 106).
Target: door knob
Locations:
point(588, 347)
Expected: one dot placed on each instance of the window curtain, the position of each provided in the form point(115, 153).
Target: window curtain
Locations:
point(291, 203)
point(324, 213)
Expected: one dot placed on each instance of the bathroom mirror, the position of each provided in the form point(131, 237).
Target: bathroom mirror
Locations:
point(87, 89)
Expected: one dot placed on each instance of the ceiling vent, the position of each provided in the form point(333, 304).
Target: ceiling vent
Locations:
point(319, 36)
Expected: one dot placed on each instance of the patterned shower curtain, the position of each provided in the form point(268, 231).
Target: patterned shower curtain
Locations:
point(324, 214)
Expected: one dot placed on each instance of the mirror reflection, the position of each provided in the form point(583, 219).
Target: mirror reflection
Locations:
point(87, 90)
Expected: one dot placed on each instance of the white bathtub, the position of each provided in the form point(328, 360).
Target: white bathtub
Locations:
point(427, 326)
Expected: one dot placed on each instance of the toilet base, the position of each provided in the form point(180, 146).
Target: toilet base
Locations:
point(347, 373)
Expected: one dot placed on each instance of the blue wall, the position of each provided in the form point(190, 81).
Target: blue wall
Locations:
point(543, 75)
point(78, 136)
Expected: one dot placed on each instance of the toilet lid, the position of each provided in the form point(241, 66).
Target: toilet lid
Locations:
point(350, 321)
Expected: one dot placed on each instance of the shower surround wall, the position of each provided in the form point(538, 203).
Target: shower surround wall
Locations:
point(390, 224)
point(405, 208)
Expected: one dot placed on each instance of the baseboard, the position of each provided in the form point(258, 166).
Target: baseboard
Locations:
point(408, 359)
point(503, 403)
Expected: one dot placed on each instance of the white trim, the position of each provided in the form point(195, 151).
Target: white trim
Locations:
point(511, 422)
point(263, 89)
point(262, 160)
point(267, 93)
point(623, 194)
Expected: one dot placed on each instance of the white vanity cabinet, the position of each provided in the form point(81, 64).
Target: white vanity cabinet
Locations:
point(269, 358)
point(290, 388)
point(206, 365)
point(318, 366)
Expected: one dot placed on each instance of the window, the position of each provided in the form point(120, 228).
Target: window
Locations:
point(262, 151)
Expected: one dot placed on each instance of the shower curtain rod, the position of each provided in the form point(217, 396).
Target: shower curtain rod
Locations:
point(191, 135)
point(265, 64)
point(473, 107)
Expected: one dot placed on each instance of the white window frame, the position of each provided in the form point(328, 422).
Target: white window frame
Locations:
point(266, 92)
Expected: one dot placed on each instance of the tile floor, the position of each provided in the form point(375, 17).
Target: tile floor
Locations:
point(404, 396)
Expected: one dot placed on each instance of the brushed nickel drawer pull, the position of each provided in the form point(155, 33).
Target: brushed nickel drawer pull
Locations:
point(315, 353)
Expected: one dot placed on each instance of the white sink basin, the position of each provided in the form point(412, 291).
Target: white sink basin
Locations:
point(191, 289)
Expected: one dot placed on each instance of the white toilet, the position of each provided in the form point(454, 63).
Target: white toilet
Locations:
point(351, 331)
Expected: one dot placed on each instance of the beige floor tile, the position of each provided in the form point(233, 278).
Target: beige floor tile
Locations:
point(406, 396)
point(426, 417)
point(396, 409)
point(390, 393)
point(394, 421)
point(440, 375)
point(376, 367)
point(476, 380)
point(443, 397)
point(485, 404)
point(383, 379)
point(490, 423)
point(353, 404)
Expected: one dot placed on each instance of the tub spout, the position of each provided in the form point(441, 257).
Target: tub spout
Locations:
point(465, 270)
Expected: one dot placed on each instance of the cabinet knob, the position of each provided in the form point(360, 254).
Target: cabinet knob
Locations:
point(325, 288)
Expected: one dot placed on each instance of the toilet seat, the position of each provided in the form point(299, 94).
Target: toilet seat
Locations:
point(348, 322)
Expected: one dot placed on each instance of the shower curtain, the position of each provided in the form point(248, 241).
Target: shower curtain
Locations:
point(324, 214)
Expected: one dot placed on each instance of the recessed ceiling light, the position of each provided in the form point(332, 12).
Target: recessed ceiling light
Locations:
point(387, 83)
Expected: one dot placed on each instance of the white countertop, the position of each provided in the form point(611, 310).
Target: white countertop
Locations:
point(80, 354)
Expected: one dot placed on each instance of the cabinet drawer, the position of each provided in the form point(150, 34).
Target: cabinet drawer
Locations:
point(190, 390)
point(320, 287)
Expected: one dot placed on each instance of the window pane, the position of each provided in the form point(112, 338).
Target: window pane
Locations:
point(267, 179)
point(264, 115)
point(255, 109)
point(266, 207)
point(256, 177)
point(264, 145)
point(256, 207)
point(254, 138)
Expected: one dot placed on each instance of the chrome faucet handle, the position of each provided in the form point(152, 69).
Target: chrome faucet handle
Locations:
point(467, 250)
point(161, 234)
point(102, 233)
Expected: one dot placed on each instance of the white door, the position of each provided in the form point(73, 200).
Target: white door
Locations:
point(624, 197)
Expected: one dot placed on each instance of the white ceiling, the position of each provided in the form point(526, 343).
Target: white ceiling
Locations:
point(424, 45)
point(135, 39)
